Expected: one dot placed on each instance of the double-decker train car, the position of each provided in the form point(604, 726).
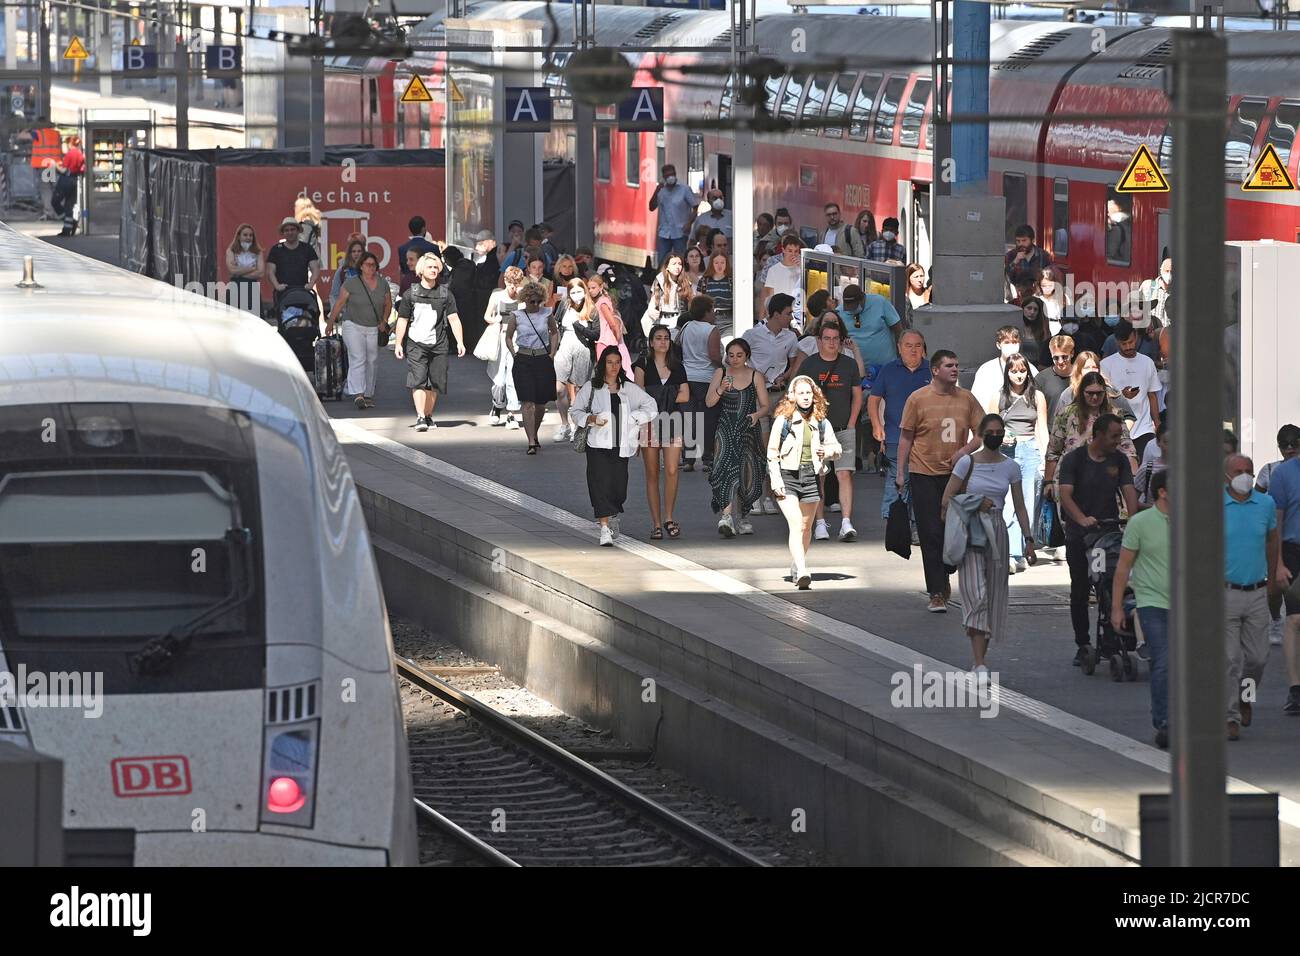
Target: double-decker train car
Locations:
point(183, 554)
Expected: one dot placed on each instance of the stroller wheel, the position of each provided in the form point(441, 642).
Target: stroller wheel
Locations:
point(1116, 668)
point(1089, 665)
point(1130, 669)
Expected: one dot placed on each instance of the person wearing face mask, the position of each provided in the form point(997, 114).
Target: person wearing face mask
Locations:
point(887, 248)
point(988, 378)
point(799, 448)
point(977, 491)
point(676, 204)
point(1025, 262)
point(246, 268)
point(1118, 233)
point(579, 330)
point(1252, 549)
point(783, 226)
point(718, 215)
point(1155, 292)
point(1139, 319)
point(763, 227)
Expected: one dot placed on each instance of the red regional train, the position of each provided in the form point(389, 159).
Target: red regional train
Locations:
point(1058, 176)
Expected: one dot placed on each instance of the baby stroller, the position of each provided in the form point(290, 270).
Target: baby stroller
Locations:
point(298, 319)
point(1117, 648)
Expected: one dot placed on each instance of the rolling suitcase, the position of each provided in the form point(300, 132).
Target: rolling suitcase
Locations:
point(330, 372)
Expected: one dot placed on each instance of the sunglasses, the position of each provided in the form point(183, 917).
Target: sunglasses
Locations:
point(1094, 394)
point(1060, 359)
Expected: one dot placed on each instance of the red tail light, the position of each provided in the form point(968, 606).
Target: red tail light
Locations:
point(284, 796)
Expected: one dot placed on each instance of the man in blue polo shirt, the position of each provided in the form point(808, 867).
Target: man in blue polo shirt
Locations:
point(1251, 551)
point(872, 323)
point(1284, 489)
point(895, 381)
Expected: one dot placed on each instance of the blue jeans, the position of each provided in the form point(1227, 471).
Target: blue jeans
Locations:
point(1025, 452)
point(1155, 631)
point(891, 490)
point(665, 247)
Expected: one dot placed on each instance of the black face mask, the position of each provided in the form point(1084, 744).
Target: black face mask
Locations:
point(993, 440)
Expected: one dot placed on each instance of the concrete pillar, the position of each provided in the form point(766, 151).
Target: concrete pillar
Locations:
point(31, 805)
point(970, 96)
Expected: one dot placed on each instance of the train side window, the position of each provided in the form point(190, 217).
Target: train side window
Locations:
point(813, 101)
point(838, 98)
point(1281, 132)
point(1016, 194)
point(929, 125)
point(1241, 137)
point(1060, 217)
point(724, 101)
point(1166, 157)
point(914, 114)
point(888, 109)
point(694, 159)
point(1119, 228)
point(374, 96)
point(862, 105)
point(603, 153)
point(632, 149)
point(770, 90)
point(791, 96)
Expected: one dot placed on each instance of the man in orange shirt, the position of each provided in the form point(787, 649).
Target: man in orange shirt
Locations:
point(933, 435)
point(65, 189)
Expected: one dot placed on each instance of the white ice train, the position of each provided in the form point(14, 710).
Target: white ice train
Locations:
point(178, 522)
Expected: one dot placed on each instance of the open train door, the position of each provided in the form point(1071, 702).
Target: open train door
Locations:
point(914, 221)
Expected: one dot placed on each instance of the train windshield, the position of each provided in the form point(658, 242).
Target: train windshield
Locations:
point(128, 545)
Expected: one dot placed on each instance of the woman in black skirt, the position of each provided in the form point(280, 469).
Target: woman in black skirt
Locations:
point(612, 409)
point(532, 337)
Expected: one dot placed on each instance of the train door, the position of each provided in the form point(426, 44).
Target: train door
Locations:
point(1164, 238)
point(914, 220)
point(723, 167)
point(695, 171)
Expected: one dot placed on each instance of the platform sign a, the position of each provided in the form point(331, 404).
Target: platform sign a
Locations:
point(416, 91)
point(76, 50)
point(222, 61)
point(140, 61)
point(642, 111)
point(1143, 175)
point(1268, 173)
point(528, 109)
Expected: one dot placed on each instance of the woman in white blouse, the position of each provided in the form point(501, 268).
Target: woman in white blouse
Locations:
point(612, 409)
point(1057, 301)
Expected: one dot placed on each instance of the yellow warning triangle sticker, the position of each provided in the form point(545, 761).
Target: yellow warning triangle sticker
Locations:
point(416, 91)
point(454, 91)
point(1268, 173)
point(1142, 175)
point(76, 50)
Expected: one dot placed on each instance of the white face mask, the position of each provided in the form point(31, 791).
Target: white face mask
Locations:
point(1069, 328)
point(1009, 349)
point(1166, 277)
point(670, 180)
point(1118, 216)
point(889, 236)
point(245, 244)
point(717, 205)
point(780, 230)
point(577, 295)
point(1242, 484)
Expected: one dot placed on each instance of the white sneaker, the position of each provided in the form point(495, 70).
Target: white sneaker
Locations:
point(561, 436)
point(1013, 567)
point(726, 527)
point(512, 423)
point(847, 531)
point(744, 527)
point(615, 525)
point(606, 537)
point(804, 581)
point(1276, 631)
point(835, 507)
point(819, 531)
point(770, 507)
point(496, 419)
point(1021, 566)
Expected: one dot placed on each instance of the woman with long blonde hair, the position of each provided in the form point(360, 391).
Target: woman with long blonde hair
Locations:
point(308, 216)
point(798, 451)
point(573, 361)
point(611, 323)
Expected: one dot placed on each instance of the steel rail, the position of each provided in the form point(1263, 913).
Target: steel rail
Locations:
point(462, 836)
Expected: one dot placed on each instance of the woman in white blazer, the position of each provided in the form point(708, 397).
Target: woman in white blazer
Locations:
point(613, 409)
point(801, 446)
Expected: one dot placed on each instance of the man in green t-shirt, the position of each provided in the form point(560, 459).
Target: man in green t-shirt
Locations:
point(1145, 554)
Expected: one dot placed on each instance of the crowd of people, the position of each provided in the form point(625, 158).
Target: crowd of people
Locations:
point(1061, 440)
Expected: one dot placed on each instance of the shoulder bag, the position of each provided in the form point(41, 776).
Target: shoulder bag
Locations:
point(581, 433)
point(381, 324)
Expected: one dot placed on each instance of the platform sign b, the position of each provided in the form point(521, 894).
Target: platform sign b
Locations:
point(222, 61)
point(140, 61)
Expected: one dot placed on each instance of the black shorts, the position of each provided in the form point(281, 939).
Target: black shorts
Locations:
point(534, 377)
point(425, 368)
point(1291, 558)
point(801, 485)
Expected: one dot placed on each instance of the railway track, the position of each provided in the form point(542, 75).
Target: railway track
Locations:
point(513, 798)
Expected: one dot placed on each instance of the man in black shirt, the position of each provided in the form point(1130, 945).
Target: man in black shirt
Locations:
point(1092, 478)
point(837, 376)
point(426, 320)
point(416, 242)
point(290, 263)
point(1054, 380)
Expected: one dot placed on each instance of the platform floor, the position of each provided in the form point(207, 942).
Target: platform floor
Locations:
point(862, 597)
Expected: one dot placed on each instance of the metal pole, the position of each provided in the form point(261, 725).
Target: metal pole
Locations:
point(940, 182)
point(47, 105)
point(584, 169)
point(742, 172)
point(182, 65)
point(1199, 801)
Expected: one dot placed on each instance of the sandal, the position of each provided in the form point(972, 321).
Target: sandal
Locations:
point(657, 534)
point(673, 528)
point(532, 449)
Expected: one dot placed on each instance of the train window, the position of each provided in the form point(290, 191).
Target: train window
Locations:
point(694, 159)
point(1016, 194)
point(374, 96)
point(862, 105)
point(929, 126)
point(770, 90)
point(724, 101)
point(1119, 228)
point(602, 153)
point(791, 95)
point(1061, 217)
point(1166, 157)
point(813, 102)
point(838, 101)
point(632, 149)
point(1241, 137)
point(888, 109)
point(1281, 132)
point(915, 112)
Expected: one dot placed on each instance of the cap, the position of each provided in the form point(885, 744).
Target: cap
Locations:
point(289, 221)
point(822, 247)
point(853, 293)
point(483, 234)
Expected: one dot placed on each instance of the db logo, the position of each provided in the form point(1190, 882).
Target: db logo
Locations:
point(151, 776)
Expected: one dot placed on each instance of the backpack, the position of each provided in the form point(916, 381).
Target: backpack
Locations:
point(785, 430)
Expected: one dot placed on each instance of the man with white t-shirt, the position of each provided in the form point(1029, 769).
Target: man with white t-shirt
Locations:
point(787, 276)
point(1135, 376)
point(989, 376)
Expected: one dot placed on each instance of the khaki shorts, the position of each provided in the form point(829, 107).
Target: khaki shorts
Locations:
point(848, 440)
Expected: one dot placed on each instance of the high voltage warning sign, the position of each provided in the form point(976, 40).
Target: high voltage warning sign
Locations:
point(417, 92)
point(76, 50)
point(1142, 175)
point(1268, 173)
